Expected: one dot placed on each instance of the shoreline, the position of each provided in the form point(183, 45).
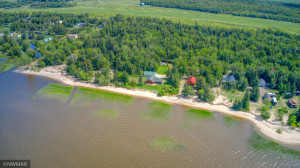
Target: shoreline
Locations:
point(288, 137)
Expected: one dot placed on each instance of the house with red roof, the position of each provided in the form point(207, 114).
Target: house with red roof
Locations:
point(192, 81)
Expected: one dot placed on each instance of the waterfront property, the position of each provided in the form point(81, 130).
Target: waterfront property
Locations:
point(192, 81)
point(292, 103)
point(154, 80)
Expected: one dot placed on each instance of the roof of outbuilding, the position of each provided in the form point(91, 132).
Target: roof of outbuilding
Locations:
point(192, 79)
point(292, 101)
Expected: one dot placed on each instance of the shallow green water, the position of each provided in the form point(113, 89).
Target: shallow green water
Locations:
point(76, 127)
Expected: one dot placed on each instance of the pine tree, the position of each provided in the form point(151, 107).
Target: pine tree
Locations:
point(246, 101)
point(237, 105)
point(254, 96)
point(293, 89)
point(272, 83)
point(116, 76)
point(125, 78)
point(141, 82)
point(187, 90)
point(201, 82)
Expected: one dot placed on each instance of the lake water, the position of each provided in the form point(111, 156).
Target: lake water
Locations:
point(56, 126)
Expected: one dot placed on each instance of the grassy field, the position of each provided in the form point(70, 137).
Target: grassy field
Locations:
point(106, 8)
point(151, 87)
point(163, 69)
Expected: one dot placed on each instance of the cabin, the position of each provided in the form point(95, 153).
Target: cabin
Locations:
point(192, 81)
point(271, 97)
point(154, 80)
point(149, 73)
point(297, 92)
point(74, 36)
point(292, 103)
point(262, 83)
point(230, 78)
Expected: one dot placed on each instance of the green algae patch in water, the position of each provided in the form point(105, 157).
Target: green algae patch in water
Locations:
point(108, 113)
point(165, 144)
point(193, 116)
point(260, 143)
point(229, 121)
point(198, 114)
point(56, 91)
point(84, 95)
point(157, 111)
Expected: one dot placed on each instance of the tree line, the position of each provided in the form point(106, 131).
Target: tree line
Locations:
point(37, 4)
point(131, 45)
point(250, 8)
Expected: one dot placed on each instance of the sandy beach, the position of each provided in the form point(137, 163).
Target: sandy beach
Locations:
point(266, 127)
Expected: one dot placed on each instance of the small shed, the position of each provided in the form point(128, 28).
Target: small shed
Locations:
point(297, 92)
point(292, 103)
point(192, 81)
point(149, 73)
point(230, 78)
point(75, 36)
point(154, 80)
point(262, 82)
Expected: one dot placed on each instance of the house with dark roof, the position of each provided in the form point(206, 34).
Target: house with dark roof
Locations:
point(154, 80)
point(230, 78)
point(262, 83)
point(292, 103)
point(149, 73)
point(192, 81)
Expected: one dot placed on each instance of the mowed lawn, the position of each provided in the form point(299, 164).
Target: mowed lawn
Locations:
point(107, 8)
point(163, 69)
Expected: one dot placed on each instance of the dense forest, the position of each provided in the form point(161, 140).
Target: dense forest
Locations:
point(37, 4)
point(109, 51)
point(136, 44)
point(250, 8)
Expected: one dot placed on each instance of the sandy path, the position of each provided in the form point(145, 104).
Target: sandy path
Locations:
point(268, 128)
